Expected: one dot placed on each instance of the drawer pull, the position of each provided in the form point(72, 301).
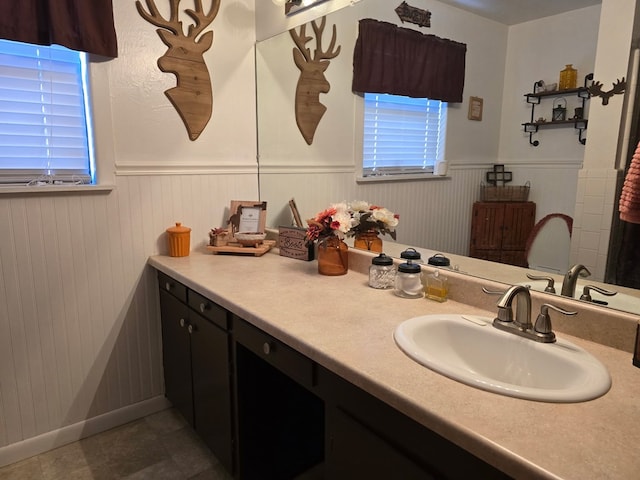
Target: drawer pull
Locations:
point(267, 348)
point(190, 328)
point(167, 286)
point(182, 322)
point(203, 307)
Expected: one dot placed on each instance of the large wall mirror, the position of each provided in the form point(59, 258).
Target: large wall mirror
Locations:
point(502, 64)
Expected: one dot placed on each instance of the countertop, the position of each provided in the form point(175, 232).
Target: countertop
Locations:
point(347, 327)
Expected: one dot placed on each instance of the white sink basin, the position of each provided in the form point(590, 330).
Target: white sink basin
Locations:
point(476, 353)
point(619, 301)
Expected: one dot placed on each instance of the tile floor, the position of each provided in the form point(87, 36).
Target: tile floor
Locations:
point(160, 446)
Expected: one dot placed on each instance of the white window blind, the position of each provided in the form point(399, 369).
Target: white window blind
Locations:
point(402, 134)
point(44, 134)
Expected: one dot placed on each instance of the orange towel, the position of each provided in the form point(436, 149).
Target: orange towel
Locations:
point(629, 205)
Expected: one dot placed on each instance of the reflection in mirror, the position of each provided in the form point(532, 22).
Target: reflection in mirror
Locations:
point(549, 244)
point(502, 64)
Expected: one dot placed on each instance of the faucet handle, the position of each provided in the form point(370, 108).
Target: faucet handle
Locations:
point(543, 323)
point(586, 295)
point(493, 292)
point(550, 281)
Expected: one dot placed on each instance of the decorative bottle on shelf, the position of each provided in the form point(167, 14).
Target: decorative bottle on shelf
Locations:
point(568, 78)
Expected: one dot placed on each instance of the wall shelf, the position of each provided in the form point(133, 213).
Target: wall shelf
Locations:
point(536, 97)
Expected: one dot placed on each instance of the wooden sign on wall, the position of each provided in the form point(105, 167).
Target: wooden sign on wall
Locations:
point(415, 15)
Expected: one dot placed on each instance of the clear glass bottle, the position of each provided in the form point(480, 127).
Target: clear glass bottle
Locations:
point(568, 78)
point(408, 283)
point(437, 287)
point(382, 273)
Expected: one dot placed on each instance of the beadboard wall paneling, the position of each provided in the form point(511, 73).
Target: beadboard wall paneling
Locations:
point(79, 324)
point(434, 214)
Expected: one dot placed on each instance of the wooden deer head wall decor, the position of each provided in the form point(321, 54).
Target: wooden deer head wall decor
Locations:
point(311, 82)
point(193, 96)
point(595, 90)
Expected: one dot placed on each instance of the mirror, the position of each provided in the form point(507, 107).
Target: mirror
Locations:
point(435, 214)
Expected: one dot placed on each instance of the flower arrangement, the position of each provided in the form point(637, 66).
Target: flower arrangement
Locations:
point(366, 218)
point(335, 220)
point(342, 219)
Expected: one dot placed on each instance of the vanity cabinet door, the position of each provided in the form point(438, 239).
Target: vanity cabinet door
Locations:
point(355, 451)
point(212, 386)
point(176, 354)
point(197, 366)
point(367, 438)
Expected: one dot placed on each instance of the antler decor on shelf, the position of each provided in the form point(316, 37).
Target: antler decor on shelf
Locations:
point(311, 82)
point(193, 96)
point(595, 90)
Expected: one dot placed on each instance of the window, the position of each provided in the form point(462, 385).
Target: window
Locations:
point(44, 121)
point(402, 135)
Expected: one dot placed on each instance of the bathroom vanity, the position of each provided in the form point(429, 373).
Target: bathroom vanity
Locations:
point(307, 379)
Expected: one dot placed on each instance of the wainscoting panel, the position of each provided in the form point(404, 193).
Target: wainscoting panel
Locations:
point(79, 322)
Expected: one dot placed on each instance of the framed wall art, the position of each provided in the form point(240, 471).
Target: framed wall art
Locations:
point(475, 108)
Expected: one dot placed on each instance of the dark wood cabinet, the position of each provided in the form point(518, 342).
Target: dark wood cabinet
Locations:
point(196, 360)
point(366, 438)
point(499, 231)
point(269, 412)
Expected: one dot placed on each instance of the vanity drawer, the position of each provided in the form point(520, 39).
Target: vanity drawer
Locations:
point(284, 358)
point(208, 309)
point(175, 288)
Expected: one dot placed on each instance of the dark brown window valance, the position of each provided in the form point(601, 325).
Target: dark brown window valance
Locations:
point(401, 61)
point(83, 25)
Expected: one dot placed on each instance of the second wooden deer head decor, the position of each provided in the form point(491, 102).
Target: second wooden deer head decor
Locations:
point(193, 95)
point(311, 82)
point(595, 90)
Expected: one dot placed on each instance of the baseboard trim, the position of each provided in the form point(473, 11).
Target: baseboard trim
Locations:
point(71, 433)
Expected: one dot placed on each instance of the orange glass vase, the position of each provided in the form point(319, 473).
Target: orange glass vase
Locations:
point(369, 240)
point(333, 256)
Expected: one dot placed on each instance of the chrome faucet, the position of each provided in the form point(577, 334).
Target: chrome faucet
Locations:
point(571, 279)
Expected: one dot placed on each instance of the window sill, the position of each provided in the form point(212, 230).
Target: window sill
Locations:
point(402, 178)
point(55, 189)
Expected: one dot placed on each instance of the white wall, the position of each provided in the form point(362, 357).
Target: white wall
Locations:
point(79, 325)
point(538, 50)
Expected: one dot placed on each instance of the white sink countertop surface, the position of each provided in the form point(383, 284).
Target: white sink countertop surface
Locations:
point(347, 327)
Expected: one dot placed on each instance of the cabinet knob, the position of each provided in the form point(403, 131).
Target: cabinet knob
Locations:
point(190, 328)
point(267, 348)
point(167, 286)
point(182, 322)
point(203, 307)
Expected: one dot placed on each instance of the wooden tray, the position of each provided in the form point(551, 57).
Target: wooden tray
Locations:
point(233, 248)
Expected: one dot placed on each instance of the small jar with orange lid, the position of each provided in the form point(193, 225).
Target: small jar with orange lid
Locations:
point(179, 240)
